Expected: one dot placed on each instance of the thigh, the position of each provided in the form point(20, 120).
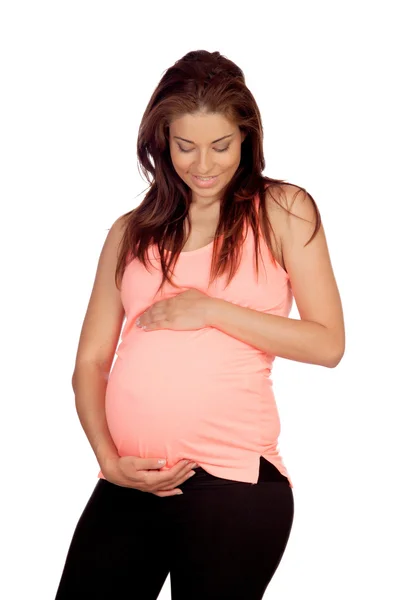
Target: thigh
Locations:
point(229, 540)
point(117, 547)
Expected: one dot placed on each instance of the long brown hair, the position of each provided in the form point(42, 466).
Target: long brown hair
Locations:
point(209, 82)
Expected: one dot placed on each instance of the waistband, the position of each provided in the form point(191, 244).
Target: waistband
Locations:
point(267, 472)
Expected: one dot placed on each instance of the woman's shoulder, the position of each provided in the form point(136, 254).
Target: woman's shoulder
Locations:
point(286, 202)
point(282, 196)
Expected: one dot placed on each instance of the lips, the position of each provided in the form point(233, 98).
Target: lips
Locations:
point(205, 183)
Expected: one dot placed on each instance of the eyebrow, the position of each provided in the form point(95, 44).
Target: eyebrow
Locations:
point(213, 142)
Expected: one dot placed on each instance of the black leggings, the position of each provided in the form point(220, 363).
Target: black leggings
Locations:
point(221, 539)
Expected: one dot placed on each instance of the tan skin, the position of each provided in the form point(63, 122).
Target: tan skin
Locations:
point(310, 270)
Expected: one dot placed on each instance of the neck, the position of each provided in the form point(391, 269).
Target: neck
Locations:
point(205, 204)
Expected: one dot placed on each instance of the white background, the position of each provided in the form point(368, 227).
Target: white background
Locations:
point(333, 82)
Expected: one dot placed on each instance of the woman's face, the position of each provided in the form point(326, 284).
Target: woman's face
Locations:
point(205, 144)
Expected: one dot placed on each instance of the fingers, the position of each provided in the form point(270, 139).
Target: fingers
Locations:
point(182, 467)
point(171, 480)
point(168, 480)
point(168, 491)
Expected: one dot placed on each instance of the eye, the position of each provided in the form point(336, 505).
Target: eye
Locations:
point(182, 149)
point(216, 149)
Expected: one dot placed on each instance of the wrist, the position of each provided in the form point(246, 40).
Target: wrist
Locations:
point(106, 455)
point(212, 310)
point(107, 460)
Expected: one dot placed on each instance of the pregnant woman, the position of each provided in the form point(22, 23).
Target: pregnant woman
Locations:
point(184, 422)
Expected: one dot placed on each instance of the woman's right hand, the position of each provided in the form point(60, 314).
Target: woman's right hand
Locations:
point(144, 474)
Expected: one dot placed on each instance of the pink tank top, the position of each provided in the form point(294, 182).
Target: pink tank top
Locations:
point(200, 395)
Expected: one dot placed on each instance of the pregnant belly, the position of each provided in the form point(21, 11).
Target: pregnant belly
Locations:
point(175, 399)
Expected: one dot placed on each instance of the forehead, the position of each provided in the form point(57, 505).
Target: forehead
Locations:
point(202, 127)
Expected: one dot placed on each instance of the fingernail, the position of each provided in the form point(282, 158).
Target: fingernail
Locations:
point(179, 492)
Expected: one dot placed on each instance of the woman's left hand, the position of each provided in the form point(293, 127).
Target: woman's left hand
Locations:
point(185, 311)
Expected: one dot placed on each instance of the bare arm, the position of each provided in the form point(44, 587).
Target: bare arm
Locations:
point(319, 336)
point(302, 341)
point(97, 344)
point(89, 384)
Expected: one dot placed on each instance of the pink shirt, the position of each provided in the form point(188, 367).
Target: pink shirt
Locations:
point(201, 395)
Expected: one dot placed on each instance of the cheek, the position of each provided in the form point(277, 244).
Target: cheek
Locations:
point(231, 161)
point(181, 162)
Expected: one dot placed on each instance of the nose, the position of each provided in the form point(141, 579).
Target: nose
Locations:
point(204, 165)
